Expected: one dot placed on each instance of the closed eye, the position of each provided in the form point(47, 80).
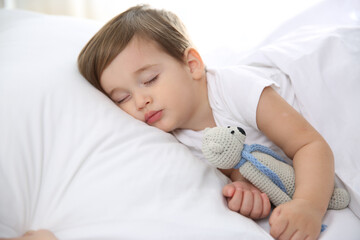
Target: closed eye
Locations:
point(123, 99)
point(151, 81)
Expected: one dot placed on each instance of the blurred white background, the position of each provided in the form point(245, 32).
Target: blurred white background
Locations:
point(241, 24)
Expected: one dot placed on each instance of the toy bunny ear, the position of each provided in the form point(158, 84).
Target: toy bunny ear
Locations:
point(215, 147)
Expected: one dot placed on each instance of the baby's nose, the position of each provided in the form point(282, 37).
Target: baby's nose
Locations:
point(142, 101)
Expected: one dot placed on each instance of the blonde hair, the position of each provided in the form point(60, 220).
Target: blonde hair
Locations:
point(161, 26)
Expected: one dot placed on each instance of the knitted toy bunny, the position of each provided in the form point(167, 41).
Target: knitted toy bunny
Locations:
point(224, 148)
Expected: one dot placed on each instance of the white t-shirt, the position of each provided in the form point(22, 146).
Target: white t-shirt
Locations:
point(234, 94)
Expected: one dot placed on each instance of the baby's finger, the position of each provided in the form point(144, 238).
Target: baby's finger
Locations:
point(228, 190)
point(257, 208)
point(274, 215)
point(278, 224)
point(266, 205)
point(235, 202)
point(247, 203)
point(288, 233)
point(298, 235)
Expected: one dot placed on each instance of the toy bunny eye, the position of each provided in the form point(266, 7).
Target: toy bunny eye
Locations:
point(232, 132)
point(228, 126)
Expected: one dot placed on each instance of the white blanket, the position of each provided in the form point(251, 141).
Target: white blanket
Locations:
point(323, 64)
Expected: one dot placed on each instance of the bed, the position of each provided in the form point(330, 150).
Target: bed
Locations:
point(73, 163)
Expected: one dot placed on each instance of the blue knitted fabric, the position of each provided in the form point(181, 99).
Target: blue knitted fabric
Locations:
point(247, 156)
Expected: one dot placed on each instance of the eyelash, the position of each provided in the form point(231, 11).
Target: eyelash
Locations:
point(151, 81)
point(122, 100)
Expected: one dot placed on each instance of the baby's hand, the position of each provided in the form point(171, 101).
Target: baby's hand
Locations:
point(246, 199)
point(297, 219)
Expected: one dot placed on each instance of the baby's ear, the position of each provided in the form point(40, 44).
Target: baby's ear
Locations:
point(195, 63)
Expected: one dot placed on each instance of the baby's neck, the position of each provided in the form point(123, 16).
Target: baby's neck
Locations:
point(204, 117)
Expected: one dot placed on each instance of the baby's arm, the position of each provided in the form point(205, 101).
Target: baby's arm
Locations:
point(245, 198)
point(313, 163)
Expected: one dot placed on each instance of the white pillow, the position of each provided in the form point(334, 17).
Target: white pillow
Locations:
point(73, 163)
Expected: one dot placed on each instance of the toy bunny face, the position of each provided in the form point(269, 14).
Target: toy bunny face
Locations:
point(222, 146)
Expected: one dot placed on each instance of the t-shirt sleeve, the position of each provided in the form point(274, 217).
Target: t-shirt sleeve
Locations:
point(241, 88)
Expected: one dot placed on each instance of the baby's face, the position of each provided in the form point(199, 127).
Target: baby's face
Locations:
point(151, 86)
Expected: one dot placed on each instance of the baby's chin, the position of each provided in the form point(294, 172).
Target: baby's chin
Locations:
point(165, 127)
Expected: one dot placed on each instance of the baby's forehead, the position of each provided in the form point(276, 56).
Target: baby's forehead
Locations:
point(139, 55)
point(141, 49)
